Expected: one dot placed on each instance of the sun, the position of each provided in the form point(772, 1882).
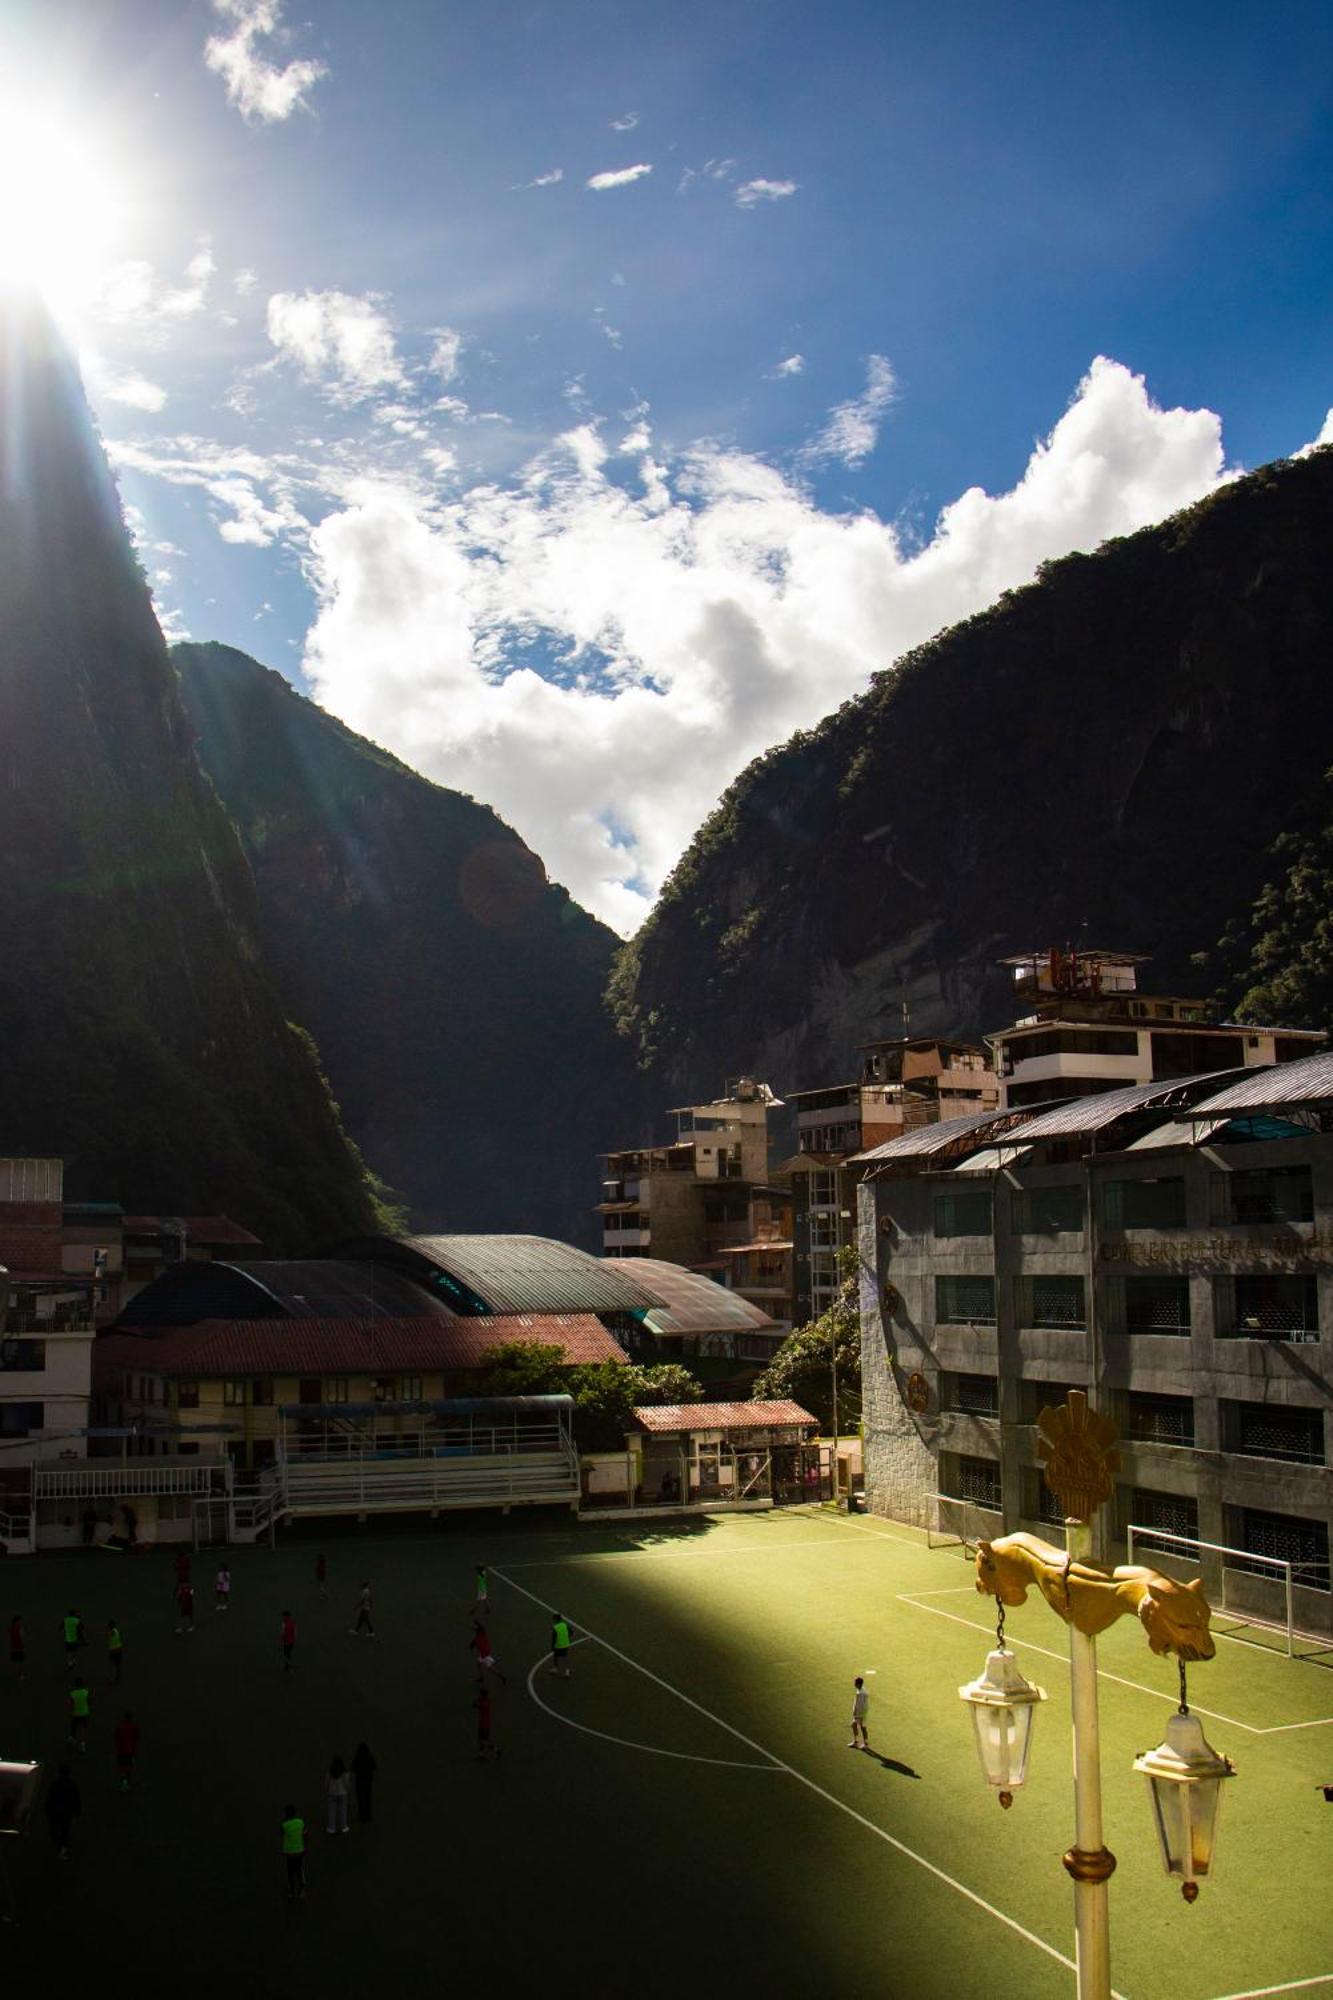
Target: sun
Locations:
point(62, 207)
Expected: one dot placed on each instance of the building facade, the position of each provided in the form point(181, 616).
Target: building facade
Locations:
point(1168, 1249)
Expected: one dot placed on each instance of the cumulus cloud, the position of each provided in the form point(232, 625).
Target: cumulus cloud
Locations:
point(750, 193)
point(542, 180)
point(619, 178)
point(263, 93)
point(600, 645)
point(340, 339)
point(625, 124)
point(1325, 437)
point(444, 356)
point(852, 430)
point(793, 365)
point(253, 496)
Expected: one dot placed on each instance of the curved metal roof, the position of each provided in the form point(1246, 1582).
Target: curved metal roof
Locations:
point(508, 1274)
point(1307, 1080)
point(942, 1137)
point(1094, 1114)
point(296, 1288)
point(687, 1302)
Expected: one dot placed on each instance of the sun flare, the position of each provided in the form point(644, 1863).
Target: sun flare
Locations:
point(62, 208)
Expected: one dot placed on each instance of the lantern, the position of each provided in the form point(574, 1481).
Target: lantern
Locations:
point(1003, 1706)
point(1185, 1775)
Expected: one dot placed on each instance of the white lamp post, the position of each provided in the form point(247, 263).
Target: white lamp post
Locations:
point(1004, 1708)
point(1185, 1778)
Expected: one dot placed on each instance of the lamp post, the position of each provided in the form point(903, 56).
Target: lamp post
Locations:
point(1184, 1772)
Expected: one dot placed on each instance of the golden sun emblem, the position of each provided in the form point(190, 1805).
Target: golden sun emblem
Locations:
point(1077, 1447)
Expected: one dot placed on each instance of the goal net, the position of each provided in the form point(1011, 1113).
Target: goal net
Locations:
point(1253, 1595)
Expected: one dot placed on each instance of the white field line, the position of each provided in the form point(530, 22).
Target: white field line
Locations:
point(910, 1853)
point(614, 1555)
point(1292, 1986)
point(1252, 1728)
point(627, 1743)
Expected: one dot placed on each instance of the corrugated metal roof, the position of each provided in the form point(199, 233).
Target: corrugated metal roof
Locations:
point(1094, 1114)
point(207, 1229)
point(349, 1346)
point(687, 1302)
point(1178, 1132)
point(297, 1288)
point(1308, 1080)
point(533, 1274)
point(722, 1416)
point(993, 1159)
point(939, 1138)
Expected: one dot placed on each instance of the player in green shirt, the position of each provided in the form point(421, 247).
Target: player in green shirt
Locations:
point(560, 1645)
point(115, 1649)
point(293, 1849)
point(72, 1627)
point(80, 1709)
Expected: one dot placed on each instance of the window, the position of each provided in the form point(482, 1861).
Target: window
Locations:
point(964, 1301)
point(1168, 1513)
point(1160, 1419)
point(963, 1211)
point(22, 1356)
point(1048, 1211)
point(409, 1389)
point(187, 1451)
point(1289, 1537)
point(261, 1392)
point(1264, 1194)
point(187, 1395)
point(1075, 1042)
point(1284, 1308)
point(235, 1394)
point(977, 1395)
point(17, 1419)
point(335, 1390)
point(1149, 1305)
point(384, 1389)
point(1274, 1430)
point(1039, 1503)
point(976, 1480)
point(1144, 1204)
point(1050, 1301)
point(1034, 1397)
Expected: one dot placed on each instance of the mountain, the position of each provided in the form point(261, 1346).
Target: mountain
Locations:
point(456, 994)
point(1105, 757)
point(139, 1036)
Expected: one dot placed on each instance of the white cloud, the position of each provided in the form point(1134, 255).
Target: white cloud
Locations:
point(445, 353)
point(625, 124)
point(695, 611)
point(1325, 437)
point(542, 181)
point(245, 280)
point(134, 294)
point(261, 92)
point(621, 177)
point(750, 193)
point(852, 430)
point(252, 495)
point(108, 384)
point(793, 365)
point(339, 339)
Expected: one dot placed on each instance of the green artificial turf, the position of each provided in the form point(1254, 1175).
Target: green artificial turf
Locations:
point(752, 1855)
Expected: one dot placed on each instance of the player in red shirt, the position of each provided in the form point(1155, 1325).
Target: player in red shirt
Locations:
point(482, 1704)
point(288, 1640)
point(126, 1736)
point(480, 1646)
point(185, 1605)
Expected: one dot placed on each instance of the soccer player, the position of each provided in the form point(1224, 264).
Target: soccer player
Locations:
point(222, 1589)
point(126, 1736)
point(337, 1784)
point(860, 1704)
point(185, 1605)
point(322, 1573)
point(80, 1709)
point(62, 1809)
point(561, 1641)
point(115, 1649)
point(288, 1640)
point(293, 1851)
point(72, 1627)
point(481, 1589)
point(364, 1622)
point(18, 1651)
point(480, 1646)
point(482, 1703)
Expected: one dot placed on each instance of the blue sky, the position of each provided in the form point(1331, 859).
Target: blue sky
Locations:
point(580, 495)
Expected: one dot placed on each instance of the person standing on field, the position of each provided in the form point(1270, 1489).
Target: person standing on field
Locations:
point(481, 1590)
point(72, 1627)
point(293, 1851)
point(126, 1735)
point(336, 1786)
point(363, 1771)
point(80, 1710)
point(185, 1605)
point(479, 1645)
point(62, 1809)
point(561, 1641)
point(115, 1650)
point(222, 1589)
point(364, 1622)
point(288, 1629)
point(860, 1705)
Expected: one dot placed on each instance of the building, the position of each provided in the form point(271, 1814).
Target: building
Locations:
point(706, 1200)
point(701, 1453)
point(1085, 1027)
point(46, 1323)
point(1167, 1247)
point(905, 1081)
point(695, 1317)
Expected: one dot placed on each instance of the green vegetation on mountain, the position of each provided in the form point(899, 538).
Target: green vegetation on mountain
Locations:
point(1281, 951)
point(140, 1038)
point(456, 994)
point(1105, 757)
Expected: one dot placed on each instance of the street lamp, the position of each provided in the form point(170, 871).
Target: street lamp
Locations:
point(1004, 1708)
point(1185, 1778)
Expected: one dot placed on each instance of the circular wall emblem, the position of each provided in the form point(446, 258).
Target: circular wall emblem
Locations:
point(916, 1394)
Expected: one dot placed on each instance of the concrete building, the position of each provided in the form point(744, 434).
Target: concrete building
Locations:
point(906, 1081)
point(1083, 1026)
point(46, 1324)
point(1167, 1247)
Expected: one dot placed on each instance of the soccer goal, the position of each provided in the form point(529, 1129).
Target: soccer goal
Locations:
point(961, 1524)
point(1232, 1571)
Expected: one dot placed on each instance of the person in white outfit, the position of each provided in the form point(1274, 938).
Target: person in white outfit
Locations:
point(336, 1783)
point(222, 1589)
point(860, 1704)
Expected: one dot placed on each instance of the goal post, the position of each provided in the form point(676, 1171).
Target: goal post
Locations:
point(1192, 1549)
point(961, 1524)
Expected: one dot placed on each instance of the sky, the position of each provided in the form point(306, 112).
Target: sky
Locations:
point(580, 398)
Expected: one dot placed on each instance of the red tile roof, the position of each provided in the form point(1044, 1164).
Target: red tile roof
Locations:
point(198, 1228)
point(722, 1416)
point(219, 1347)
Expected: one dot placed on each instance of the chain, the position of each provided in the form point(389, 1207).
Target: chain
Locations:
point(1184, 1691)
point(999, 1623)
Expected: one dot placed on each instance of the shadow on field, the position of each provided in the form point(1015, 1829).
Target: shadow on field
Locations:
point(891, 1764)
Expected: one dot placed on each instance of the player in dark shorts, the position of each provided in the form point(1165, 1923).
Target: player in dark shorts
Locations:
point(479, 1645)
point(482, 1704)
point(185, 1605)
point(126, 1734)
point(288, 1640)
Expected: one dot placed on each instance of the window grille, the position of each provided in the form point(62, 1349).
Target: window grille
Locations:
point(1150, 1305)
point(975, 1395)
point(963, 1212)
point(1288, 1537)
point(1039, 1503)
point(1257, 1195)
point(1144, 1204)
point(1272, 1430)
point(976, 1480)
point(1170, 1513)
point(1034, 1397)
point(1051, 1302)
point(965, 1301)
point(1160, 1419)
point(1048, 1211)
point(1286, 1307)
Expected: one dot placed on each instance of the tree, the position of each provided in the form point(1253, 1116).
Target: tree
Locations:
point(605, 1392)
point(1285, 945)
point(525, 1368)
point(802, 1368)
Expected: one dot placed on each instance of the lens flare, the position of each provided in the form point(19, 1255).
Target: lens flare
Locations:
point(62, 208)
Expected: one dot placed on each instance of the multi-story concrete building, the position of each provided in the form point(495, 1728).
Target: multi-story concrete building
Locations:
point(1168, 1247)
point(46, 1320)
point(905, 1082)
point(1085, 1027)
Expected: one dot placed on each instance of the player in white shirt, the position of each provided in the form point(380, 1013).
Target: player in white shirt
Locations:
point(860, 1703)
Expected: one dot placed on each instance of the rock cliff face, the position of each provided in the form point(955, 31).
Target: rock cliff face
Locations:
point(455, 994)
point(139, 1035)
point(1105, 757)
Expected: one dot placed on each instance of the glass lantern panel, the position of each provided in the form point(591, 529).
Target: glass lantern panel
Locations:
point(1171, 1813)
point(1003, 1736)
point(1204, 1801)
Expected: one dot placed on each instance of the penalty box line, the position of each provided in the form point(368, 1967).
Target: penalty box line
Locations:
point(831, 1798)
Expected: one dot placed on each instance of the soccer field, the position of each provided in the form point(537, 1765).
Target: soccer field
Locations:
point(681, 1813)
